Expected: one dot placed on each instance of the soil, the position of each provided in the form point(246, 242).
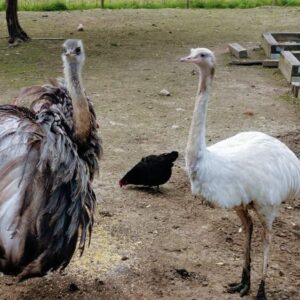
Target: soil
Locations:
point(163, 245)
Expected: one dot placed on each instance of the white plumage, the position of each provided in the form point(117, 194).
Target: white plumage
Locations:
point(248, 170)
point(250, 166)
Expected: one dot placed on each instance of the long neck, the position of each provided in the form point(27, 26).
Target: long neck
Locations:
point(81, 113)
point(196, 146)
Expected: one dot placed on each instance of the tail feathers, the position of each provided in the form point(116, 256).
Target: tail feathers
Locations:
point(171, 157)
point(30, 96)
point(165, 157)
point(39, 97)
point(37, 92)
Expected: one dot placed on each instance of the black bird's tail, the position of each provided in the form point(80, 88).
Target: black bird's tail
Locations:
point(171, 157)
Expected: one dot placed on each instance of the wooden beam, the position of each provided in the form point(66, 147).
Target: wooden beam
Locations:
point(246, 62)
point(289, 65)
point(295, 86)
point(237, 50)
point(48, 39)
point(270, 63)
point(275, 42)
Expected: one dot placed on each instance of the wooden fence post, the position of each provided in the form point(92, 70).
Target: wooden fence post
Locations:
point(187, 3)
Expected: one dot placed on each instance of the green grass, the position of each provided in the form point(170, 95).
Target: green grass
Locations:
point(241, 3)
point(54, 5)
point(42, 5)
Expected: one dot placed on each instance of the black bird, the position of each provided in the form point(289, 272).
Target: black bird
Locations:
point(152, 170)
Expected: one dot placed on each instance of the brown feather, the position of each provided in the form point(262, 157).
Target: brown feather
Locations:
point(55, 201)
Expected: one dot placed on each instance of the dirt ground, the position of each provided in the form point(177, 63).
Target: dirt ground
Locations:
point(167, 245)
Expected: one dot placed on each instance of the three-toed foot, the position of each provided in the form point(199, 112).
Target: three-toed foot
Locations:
point(243, 288)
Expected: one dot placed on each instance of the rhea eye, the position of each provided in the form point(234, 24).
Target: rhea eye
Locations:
point(202, 55)
point(78, 50)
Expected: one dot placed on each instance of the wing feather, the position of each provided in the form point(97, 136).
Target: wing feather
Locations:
point(45, 191)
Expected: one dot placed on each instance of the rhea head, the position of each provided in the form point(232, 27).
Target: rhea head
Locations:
point(73, 53)
point(202, 57)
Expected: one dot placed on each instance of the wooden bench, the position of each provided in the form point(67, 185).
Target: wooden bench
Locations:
point(289, 65)
point(237, 50)
point(275, 42)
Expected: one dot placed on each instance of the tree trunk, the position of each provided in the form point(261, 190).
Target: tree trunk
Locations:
point(15, 31)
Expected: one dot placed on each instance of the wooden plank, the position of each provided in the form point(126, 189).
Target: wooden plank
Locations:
point(268, 36)
point(267, 42)
point(275, 42)
point(283, 37)
point(295, 86)
point(237, 50)
point(289, 66)
point(270, 63)
point(246, 62)
point(288, 55)
point(284, 66)
point(48, 39)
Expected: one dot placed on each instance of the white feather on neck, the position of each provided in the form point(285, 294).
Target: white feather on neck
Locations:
point(196, 146)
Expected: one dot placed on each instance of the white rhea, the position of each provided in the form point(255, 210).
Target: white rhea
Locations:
point(248, 170)
point(73, 59)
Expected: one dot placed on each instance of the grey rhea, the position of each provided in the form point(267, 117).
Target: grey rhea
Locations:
point(49, 156)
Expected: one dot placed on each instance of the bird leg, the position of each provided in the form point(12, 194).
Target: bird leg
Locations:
point(244, 286)
point(266, 216)
point(267, 242)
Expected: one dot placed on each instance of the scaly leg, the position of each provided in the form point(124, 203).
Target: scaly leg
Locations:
point(244, 286)
point(267, 241)
point(266, 216)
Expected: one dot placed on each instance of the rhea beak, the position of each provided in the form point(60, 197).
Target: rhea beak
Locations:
point(186, 58)
point(70, 54)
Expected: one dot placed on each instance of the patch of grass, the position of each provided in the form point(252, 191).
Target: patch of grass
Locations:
point(39, 6)
point(56, 5)
point(241, 3)
point(52, 5)
point(155, 4)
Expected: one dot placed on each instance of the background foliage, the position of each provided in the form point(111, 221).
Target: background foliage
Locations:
point(51, 5)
